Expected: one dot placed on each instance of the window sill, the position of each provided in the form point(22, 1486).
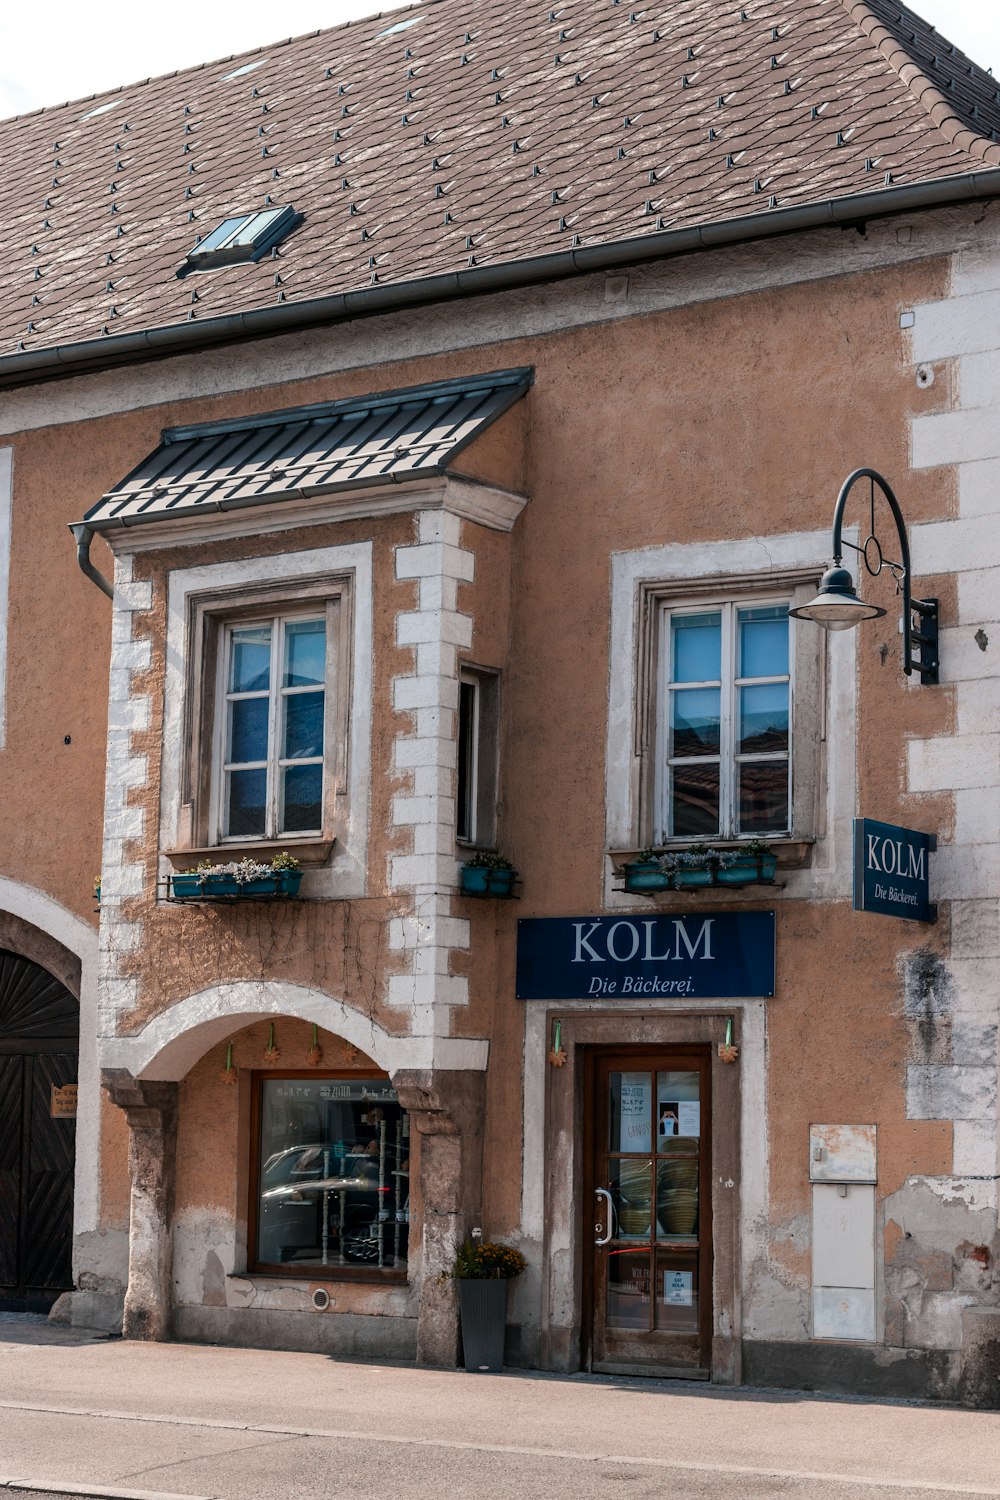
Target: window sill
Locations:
point(793, 854)
point(310, 853)
point(323, 1274)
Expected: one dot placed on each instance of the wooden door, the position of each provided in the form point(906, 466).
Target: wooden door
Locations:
point(650, 1288)
point(39, 1025)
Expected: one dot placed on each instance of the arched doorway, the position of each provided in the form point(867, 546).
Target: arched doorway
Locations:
point(39, 1046)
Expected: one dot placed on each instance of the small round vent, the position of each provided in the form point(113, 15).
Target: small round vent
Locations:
point(321, 1299)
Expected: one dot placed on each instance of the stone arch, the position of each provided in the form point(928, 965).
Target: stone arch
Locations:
point(170, 1044)
point(40, 928)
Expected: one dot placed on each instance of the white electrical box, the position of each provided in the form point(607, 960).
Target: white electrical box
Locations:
point(843, 1235)
point(842, 1168)
point(842, 1153)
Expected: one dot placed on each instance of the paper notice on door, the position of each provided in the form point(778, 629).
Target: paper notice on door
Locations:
point(679, 1117)
point(678, 1288)
point(636, 1109)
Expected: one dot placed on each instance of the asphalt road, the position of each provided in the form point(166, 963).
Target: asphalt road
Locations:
point(97, 1417)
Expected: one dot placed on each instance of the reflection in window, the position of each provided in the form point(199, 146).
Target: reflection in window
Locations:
point(333, 1174)
point(725, 716)
point(272, 773)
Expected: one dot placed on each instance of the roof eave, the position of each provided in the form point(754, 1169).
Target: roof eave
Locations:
point(156, 343)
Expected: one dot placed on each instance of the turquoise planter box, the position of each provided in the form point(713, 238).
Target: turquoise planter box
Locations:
point(646, 877)
point(478, 880)
point(185, 887)
point(289, 882)
point(750, 870)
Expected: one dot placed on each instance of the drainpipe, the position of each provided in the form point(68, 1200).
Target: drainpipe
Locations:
point(84, 537)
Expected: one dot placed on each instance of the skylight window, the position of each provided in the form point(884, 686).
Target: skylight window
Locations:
point(244, 237)
point(399, 26)
point(246, 68)
point(101, 109)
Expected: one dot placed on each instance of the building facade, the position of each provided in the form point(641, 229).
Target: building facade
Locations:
point(508, 567)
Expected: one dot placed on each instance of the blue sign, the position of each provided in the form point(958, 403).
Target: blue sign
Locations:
point(696, 956)
point(891, 870)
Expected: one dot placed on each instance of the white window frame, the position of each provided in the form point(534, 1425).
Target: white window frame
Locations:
point(277, 695)
point(729, 759)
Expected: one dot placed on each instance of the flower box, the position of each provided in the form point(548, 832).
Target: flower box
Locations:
point(646, 875)
point(698, 868)
point(243, 881)
point(485, 880)
point(749, 869)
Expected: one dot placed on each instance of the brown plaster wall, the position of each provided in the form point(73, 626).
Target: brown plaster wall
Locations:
point(729, 419)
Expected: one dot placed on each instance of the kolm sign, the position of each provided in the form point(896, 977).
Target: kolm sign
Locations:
point(722, 955)
point(891, 870)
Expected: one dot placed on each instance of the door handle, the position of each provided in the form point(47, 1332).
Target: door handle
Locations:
point(603, 1193)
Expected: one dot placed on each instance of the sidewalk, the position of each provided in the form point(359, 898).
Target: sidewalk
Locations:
point(107, 1416)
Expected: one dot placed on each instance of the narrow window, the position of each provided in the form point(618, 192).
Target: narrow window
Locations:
point(725, 722)
point(275, 717)
point(478, 711)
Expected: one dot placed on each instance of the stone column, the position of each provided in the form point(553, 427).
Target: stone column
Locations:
point(446, 1110)
point(151, 1112)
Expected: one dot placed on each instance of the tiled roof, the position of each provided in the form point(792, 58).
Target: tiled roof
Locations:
point(468, 132)
point(309, 451)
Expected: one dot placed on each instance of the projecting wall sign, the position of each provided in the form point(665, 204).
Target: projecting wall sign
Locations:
point(892, 870)
point(718, 956)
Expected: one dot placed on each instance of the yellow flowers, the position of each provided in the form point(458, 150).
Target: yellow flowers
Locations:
point(487, 1260)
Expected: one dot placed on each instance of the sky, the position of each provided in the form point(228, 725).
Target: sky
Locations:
point(69, 49)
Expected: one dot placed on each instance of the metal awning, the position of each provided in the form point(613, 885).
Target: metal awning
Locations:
point(307, 451)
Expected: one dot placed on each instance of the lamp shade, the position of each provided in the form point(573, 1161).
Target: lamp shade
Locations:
point(837, 606)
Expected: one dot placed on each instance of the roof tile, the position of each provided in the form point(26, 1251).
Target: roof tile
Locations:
point(414, 140)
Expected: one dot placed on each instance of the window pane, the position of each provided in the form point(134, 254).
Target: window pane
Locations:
point(250, 663)
point(304, 725)
point(255, 226)
point(764, 641)
point(219, 236)
point(465, 826)
point(677, 1197)
point(303, 799)
point(246, 796)
point(763, 796)
point(764, 718)
point(334, 1173)
point(305, 654)
point(678, 1113)
point(677, 1291)
point(696, 654)
point(628, 1291)
point(695, 726)
point(248, 730)
point(630, 1182)
point(694, 799)
point(630, 1111)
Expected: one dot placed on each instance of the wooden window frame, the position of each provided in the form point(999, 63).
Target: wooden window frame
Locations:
point(210, 617)
point(302, 1271)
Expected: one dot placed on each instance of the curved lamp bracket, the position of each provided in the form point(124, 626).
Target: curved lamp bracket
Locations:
point(920, 616)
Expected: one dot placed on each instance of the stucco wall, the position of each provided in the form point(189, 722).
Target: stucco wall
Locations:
point(710, 417)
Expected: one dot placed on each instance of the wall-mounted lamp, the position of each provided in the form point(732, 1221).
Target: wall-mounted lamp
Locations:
point(837, 606)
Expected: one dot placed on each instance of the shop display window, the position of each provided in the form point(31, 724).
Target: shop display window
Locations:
point(331, 1176)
